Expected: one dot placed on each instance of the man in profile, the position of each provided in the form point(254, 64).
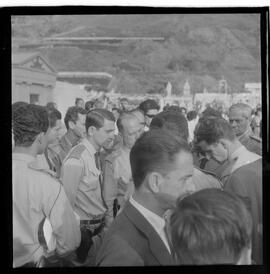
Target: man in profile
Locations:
point(161, 164)
point(240, 120)
point(242, 173)
point(37, 196)
point(75, 124)
point(211, 226)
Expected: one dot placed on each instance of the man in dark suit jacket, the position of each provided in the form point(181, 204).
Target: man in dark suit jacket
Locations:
point(161, 164)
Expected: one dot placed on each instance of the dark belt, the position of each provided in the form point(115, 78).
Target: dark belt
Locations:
point(92, 222)
point(89, 228)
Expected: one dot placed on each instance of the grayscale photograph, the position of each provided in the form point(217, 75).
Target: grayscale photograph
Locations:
point(137, 139)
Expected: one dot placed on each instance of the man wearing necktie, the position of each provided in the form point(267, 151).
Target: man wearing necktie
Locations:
point(243, 171)
point(81, 178)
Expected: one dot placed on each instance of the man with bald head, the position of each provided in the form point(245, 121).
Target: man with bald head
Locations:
point(240, 119)
point(118, 183)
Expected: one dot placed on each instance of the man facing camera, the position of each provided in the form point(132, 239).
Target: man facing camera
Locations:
point(211, 226)
point(161, 164)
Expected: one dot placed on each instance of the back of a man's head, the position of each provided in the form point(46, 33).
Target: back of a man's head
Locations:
point(192, 115)
point(28, 121)
point(211, 226)
point(211, 112)
point(212, 129)
point(72, 115)
point(154, 150)
point(147, 105)
point(54, 115)
point(173, 121)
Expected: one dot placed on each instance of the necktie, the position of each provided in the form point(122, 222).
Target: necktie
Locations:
point(100, 177)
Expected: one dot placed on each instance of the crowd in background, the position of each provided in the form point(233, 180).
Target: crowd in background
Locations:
point(121, 185)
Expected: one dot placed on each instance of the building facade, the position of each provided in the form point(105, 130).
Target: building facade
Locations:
point(33, 78)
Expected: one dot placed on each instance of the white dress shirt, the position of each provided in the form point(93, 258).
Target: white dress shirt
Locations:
point(156, 221)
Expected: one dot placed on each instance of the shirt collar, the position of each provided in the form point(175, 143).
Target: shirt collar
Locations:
point(237, 152)
point(156, 221)
point(89, 146)
point(23, 157)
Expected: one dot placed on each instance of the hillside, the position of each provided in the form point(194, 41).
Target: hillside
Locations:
point(202, 48)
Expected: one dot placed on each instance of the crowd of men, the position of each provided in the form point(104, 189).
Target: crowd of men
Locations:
point(136, 187)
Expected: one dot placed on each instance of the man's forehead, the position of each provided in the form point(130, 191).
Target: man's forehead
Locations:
point(108, 125)
point(237, 113)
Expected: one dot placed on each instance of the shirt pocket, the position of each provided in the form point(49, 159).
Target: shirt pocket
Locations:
point(90, 181)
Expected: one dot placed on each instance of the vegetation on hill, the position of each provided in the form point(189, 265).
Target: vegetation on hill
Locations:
point(202, 48)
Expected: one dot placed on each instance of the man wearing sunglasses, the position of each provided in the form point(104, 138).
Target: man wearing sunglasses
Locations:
point(150, 109)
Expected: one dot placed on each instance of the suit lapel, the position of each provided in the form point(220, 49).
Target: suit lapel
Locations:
point(157, 247)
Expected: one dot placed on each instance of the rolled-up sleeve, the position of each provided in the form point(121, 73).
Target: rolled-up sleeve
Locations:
point(71, 175)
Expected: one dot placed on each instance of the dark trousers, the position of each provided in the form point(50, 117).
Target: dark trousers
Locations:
point(88, 231)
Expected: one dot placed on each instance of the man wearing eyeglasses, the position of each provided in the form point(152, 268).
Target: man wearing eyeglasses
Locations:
point(150, 109)
point(240, 119)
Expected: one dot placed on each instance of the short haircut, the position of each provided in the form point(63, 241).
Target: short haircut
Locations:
point(96, 118)
point(53, 116)
point(245, 109)
point(77, 100)
point(72, 115)
point(191, 115)
point(147, 105)
point(124, 116)
point(28, 121)
point(210, 226)
point(173, 121)
point(212, 129)
point(89, 105)
point(211, 112)
point(154, 150)
point(50, 105)
point(173, 108)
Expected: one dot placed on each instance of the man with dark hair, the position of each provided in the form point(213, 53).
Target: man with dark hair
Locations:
point(240, 120)
point(14, 107)
point(55, 126)
point(161, 163)
point(175, 122)
point(51, 106)
point(75, 124)
point(150, 108)
point(211, 226)
point(242, 173)
point(37, 197)
point(124, 104)
point(82, 180)
point(89, 105)
point(79, 102)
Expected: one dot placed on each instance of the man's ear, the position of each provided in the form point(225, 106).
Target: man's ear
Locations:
point(39, 138)
point(91, 130)
point(71, 125)
point(154, 181)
